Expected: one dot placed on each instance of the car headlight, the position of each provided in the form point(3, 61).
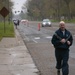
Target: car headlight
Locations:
point(49, 22)
point(44, 23)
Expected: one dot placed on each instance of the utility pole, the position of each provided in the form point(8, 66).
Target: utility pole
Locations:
point(9, 12)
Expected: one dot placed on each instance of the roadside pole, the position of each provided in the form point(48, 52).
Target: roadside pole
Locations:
point(38, 26)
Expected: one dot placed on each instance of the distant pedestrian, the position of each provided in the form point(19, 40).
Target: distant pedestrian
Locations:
point(15, 23)
point(62, 40)
point(18, 21)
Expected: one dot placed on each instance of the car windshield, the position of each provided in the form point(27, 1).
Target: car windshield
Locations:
point(46, 20)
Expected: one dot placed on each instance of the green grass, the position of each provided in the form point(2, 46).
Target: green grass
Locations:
point(7, 30)
point(70, 21)
point(67, 21)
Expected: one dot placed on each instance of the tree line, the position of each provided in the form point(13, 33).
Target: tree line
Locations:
point(53, 9)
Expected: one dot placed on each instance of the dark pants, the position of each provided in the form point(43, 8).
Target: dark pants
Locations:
point(15, 25)
point(62, 57)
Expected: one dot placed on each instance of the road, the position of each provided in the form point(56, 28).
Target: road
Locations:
point(40, 47)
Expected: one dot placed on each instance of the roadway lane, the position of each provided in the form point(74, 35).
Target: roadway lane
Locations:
point(31, 33)
point(41, 49)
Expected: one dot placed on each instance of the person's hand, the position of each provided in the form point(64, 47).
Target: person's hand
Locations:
point(68, 42)
point(63, 41)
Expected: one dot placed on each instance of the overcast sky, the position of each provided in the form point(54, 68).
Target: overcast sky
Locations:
point(18, 4)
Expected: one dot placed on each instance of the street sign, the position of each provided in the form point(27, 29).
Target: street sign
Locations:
point(4, 12)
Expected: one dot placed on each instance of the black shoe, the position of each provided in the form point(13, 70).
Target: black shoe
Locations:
point(58, 72)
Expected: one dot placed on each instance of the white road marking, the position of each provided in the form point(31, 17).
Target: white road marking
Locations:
point(35, 41)
point(37, 38)
point(14, 55)
point(49, 37)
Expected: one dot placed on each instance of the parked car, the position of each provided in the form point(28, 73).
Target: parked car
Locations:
point(24, 21)
point(46, 22)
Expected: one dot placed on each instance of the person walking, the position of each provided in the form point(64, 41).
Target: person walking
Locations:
point(18, 22)
point(15, 23)
point(62, 40)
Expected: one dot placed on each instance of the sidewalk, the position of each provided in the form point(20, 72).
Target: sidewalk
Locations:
point(15, 58)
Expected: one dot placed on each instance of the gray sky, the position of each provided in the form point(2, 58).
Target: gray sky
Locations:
point(18, 4)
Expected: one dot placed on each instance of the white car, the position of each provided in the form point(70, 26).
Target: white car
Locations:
point(46, 22)
point(24, 21)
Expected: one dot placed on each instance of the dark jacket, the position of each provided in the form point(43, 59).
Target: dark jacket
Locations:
point(58, 36)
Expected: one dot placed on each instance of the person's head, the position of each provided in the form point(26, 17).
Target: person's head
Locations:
point(62, 25)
